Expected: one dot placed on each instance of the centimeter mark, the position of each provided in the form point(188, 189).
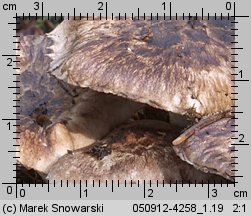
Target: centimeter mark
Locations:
point(85, 184)
point(100, 16)
point(132, 16)
point(234, 86)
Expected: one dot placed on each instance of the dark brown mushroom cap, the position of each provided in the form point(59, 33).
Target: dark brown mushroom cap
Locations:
point(138, 151)
point(210, 147)
point(177, 65)
point(41, 94)
point(55, 116)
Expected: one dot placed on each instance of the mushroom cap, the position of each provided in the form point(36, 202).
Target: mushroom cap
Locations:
point(134, 152)
point(42, 100)
point(183, 66)
point(55, 116)
point(209, 146)
point(180, 66)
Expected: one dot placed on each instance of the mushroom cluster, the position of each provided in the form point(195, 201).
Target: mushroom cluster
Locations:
point(84, 85)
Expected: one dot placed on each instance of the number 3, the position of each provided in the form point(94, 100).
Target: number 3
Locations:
point(36, 5)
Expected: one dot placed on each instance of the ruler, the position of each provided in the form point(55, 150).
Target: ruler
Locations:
point(124, 197)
